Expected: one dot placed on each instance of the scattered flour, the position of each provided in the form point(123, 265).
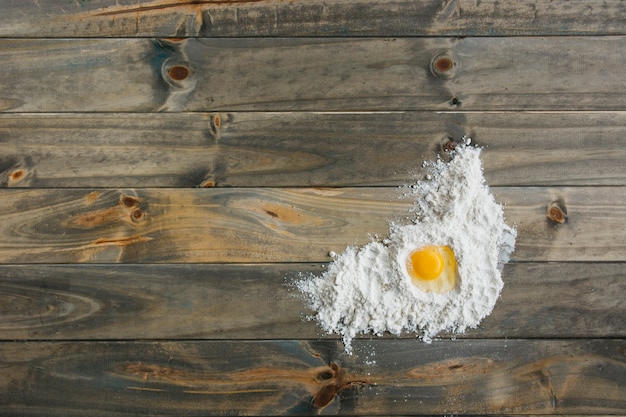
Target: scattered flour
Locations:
point(368, 289)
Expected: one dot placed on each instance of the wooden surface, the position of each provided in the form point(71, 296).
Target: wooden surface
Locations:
point(223, 18)
point(276, 224)
point(265, 74)
point(167, 168)
point(219, 301)
point(291, 377)
point(263, 149)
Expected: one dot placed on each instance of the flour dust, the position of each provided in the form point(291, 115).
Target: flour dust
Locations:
point(369, 290)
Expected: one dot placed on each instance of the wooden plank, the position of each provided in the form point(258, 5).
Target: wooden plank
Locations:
point(107, 302)
point(276, 225)
point(334, 74)
point(294, 377)
point(540, 238)
point(309, 18)
point(303, 149)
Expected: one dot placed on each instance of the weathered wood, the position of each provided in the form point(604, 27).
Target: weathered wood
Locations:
point(276, 225)
point(542, 239)
point(294, 377)
point(310, 18)
point(313, 74)
point(539, 300)
point(303, 149)
point(123, 293)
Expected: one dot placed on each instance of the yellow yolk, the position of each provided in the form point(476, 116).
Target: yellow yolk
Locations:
point(425, 263)
point(432, 268)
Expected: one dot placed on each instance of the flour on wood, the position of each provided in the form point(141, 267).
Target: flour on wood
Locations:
point(370, 290)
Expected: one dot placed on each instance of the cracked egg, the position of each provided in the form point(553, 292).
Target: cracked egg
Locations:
point(432, 268)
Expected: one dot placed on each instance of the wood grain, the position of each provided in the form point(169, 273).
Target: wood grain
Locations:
point(286, 377)
point(108, 302)
point(169, 167)
point(207, 74)
point(303, 149)
point(105, 18)
point(276, 225)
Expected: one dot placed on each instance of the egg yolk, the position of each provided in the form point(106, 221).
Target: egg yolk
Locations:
point(425, 263)
point(432, 268)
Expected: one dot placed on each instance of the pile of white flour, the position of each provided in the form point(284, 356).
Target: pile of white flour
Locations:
point(368, 290)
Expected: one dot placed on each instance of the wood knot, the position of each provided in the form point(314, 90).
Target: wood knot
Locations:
point(448, 145)
point(444, 65)
point(178, 72)
point(13, 174)
point(137, 215)
point(325, 395)
point(128, 201)
point(333, 379)
point(133, 205)
point(557, 212)
point(215, 125)
point(208, 183)
point(17, 175)
point(324, 375)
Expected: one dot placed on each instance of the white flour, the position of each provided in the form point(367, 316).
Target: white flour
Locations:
point(367, 289)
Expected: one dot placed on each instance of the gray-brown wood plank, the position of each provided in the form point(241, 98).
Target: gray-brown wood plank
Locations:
point(384, 377)
point(319, 74)
point(125, 302)
point(276, 225)
point(304, 149)
point(100, 18)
